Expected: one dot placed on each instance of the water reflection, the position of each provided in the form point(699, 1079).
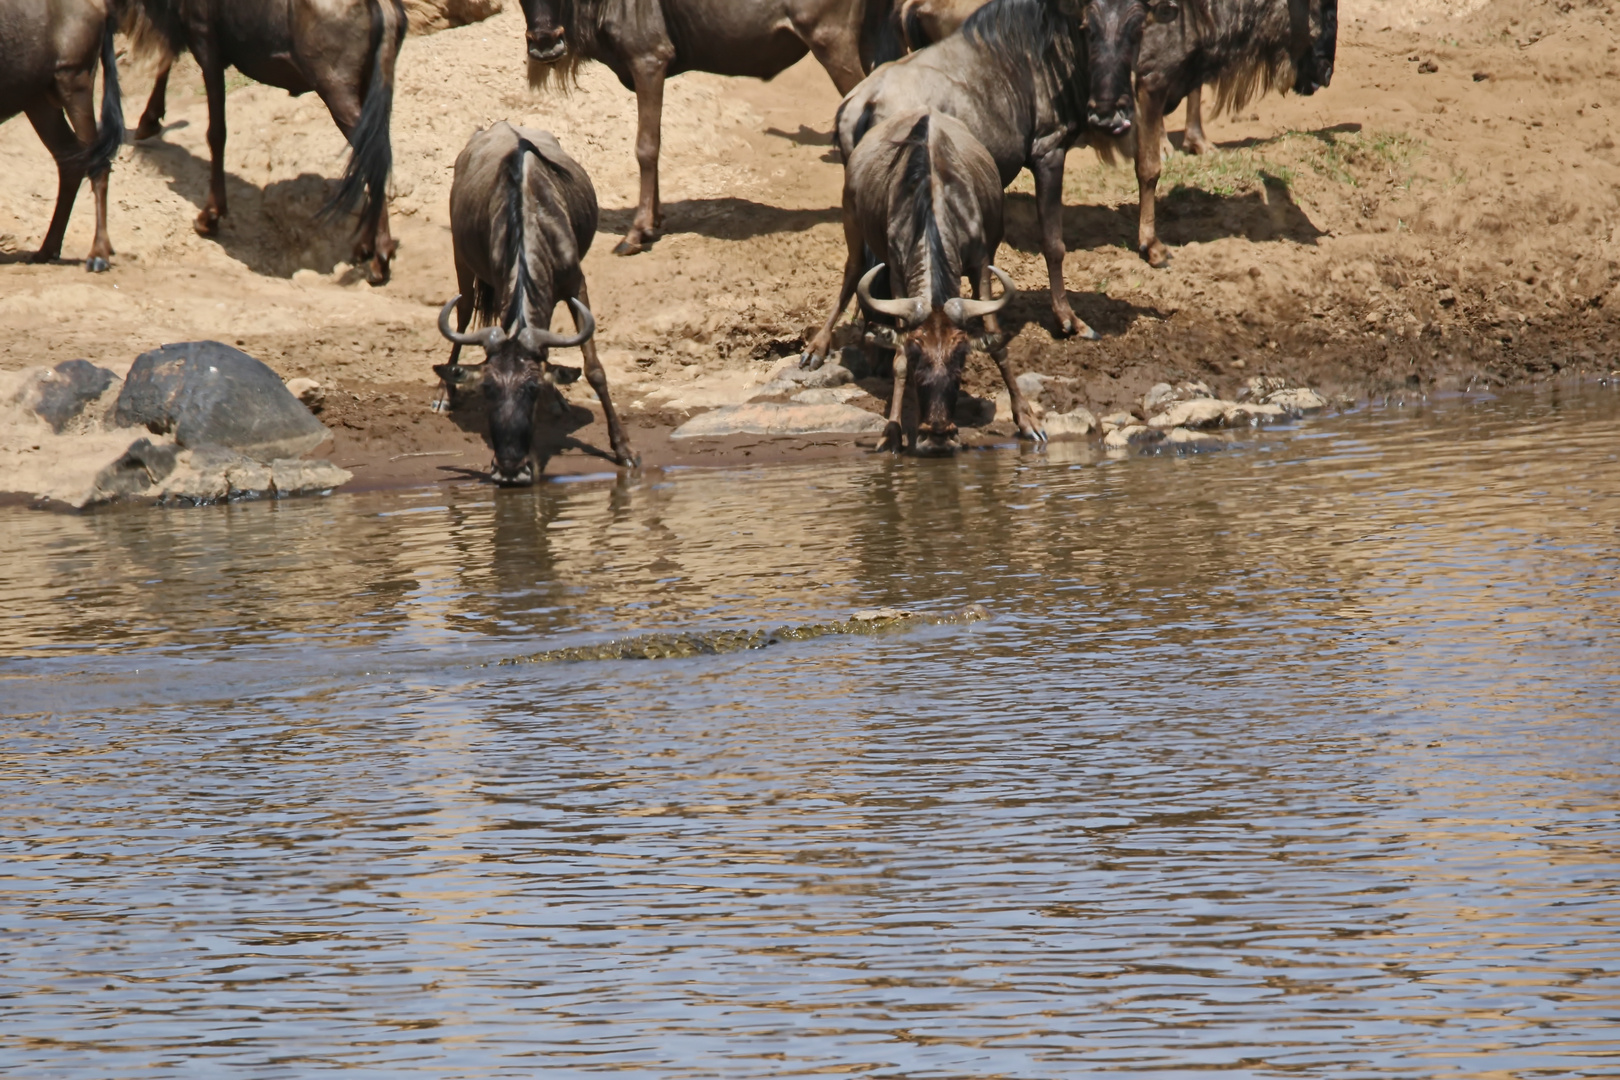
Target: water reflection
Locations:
point(1298, 758)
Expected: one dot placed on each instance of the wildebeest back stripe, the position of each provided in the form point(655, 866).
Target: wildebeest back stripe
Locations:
point(523, 306)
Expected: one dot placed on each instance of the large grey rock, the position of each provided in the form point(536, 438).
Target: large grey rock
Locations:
point(767, 418)
point(61, 393)
point(211, 395)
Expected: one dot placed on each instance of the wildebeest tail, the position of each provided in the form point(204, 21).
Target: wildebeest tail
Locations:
point(881, 39)
point(371, 157)
point(110, 132)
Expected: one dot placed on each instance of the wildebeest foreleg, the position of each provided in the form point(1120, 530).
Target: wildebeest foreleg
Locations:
point(1024, 415)
point(648, 75)
point(815, 353)
point(1149, 133)
point(598, 380)
point(892, 431)
point(213, 73)
point(836, 48)
point(152, 119)
point(1048, 170)
point(1193, 141)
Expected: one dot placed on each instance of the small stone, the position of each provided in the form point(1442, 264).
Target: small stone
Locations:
point(1134, 435)
point(310, 392)
point(1197, 388)
point(880, 614)
point(1252, 413)
point(144, 464)
point(1297, 401)
point(1199, 412)
point(1261, 385)
point(1194, 440)
point(1119, 420)
point(766, 418)
point(828, 375)
point(1075, 422)
point(1158, 395)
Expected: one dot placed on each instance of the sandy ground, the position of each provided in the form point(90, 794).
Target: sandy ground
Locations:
point(1404, 231)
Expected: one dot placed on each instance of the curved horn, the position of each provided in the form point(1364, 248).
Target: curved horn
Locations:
point(489, 337)
point(545, 339)
point(960, 311)
point(909, 310)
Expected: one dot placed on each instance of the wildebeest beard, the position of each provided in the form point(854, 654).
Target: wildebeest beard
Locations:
point(580, 20)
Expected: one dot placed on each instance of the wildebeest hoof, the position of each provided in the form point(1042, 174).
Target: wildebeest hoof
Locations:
point(1155, 255)
point(207, 223)
point(43, 256)
point(148, 128)
point(891, 440)
point(627, 457)
point(97, 265)
point(628, 247)
point(809, 361)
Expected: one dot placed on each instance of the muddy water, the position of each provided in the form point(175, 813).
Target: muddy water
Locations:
point(1296, 759)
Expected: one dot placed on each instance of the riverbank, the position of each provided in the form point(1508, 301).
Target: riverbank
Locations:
point(1442, 217)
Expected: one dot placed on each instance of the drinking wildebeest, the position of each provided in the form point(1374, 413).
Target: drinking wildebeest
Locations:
point(1028, 78)
point(1248, 47)
point(50, 50)
point(923, 200)
point(344, 50)
point(644, 44)
point(522, 216)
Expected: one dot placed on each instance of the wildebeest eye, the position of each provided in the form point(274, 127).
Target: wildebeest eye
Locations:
point(1164, 12)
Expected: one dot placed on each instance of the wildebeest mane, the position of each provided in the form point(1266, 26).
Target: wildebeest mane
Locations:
point(154, 29)
point(1038, 35)
point(916, 189)
point(580, 21)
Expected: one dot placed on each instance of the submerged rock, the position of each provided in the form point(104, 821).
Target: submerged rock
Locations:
point(209, 394)
point(766, 418)
point(1133, 435)
point(1188, 439)
point(59, 395)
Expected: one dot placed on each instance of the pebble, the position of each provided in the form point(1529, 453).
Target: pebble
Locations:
point(310, 392)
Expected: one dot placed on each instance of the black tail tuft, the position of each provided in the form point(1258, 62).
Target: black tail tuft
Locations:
point(371, 159)
point(881, 40)
point(110, 134)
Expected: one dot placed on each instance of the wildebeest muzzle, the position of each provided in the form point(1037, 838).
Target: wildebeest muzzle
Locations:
point(547, 46)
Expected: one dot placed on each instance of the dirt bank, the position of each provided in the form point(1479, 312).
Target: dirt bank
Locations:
point(1443, 215)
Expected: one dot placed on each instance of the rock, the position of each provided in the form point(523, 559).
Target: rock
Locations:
point(296, 477)
point(1134, 435)
point(828, 375)
point(144, 464)
point(1253, 413)
point(209, 394)
point(1297, 401)
point(211, 475)
point(1158, 395)
point(1119, 420)
point(765, 418)
point(310, 392)
point(1259, 386)
point(1199, 412)
point(1194, 440)
point(426, 16)
point(836, 395)
point(60, 394)
point(973, 411)
point(880, 614)
point(1076, 422)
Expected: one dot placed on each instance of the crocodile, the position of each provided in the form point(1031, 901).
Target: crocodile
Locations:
point(716, 642)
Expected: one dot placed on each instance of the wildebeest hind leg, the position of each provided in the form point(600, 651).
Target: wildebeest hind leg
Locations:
point(598, 380)
point(77, 91)
point(57, 135)
point(152, 119)
point(213, 72)
point(1048, 172)
point(1149, 133)
point(648, 75)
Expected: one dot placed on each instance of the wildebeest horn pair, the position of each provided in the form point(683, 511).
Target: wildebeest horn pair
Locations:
point(493, 336)
point(912, 310)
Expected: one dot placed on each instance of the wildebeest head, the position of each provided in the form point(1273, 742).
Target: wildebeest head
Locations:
point(515, 371)
point(1314, 69)
point(935, 342)
point(1113, 39)
point(545, 23)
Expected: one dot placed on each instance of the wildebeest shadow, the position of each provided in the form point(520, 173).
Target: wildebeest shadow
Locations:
point(726, 218)
point(276, 230)
point(1321, 134)
point(1185, 216)
point(805, 136)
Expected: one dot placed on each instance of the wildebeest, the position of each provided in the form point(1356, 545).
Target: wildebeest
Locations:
point(1028, 78)
point(522, 216)
point(344, 50)
point(923, 199)
point(1246, 48)
point(49, 50)
point(646, 43)
point(923, 22)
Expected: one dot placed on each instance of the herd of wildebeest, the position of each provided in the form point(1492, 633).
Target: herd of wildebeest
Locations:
point(945, 101)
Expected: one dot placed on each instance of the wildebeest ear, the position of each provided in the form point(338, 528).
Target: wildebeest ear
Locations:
point(1164, 11)
point(454, 374)
point(563, 374)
